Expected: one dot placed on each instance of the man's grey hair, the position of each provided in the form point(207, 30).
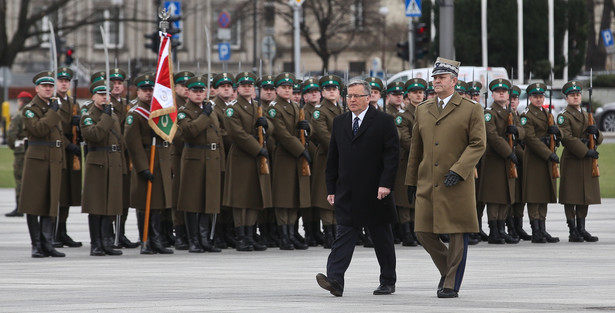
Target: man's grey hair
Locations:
point(366, 87)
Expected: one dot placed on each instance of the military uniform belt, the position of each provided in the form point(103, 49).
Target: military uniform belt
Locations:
point(164, 144)
point(112, 148)
point(210, 146)
point(53, 144)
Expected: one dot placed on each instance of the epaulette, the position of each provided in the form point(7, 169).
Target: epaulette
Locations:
point(86, 113)
point(29, 105)
point(318, 106)
point(489, 108)
point(402, 111)
point(133, 108)
point(87, 103)
point(181, 108)
point(272, 103)
point(232, 102)
point(134, 101)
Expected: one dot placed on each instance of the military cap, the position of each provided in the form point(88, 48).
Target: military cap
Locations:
point(197, 82)
point(330, 81)
point(117, 74)
point(310, 84)
point(246, 78)
point(223, 78)
point(474, 87)
point(375, 82)
point(266, 81)
point(430, 89)
point(297, 86)
point(98, 87)
point(284, 79)
point(415, 84)
point(45, 77)
point(25, 94)
point(145, 81)
point(516, 91)
point(499, 83)
point(182, 77)
point(395, 88)
point(461, 87)
point(536, 89)
point(65, 72)
point(572, 86)
point(100, 75)
point(444, 66)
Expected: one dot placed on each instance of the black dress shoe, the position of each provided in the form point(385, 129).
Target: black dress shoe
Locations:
point(14, 213)
point(441, 283)
point(384, 290)
point(328, 284)
point(447, 293)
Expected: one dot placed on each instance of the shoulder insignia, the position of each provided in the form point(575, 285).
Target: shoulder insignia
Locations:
point(316, 114)
point(232, 102)
point(272, 103)
point(487, 117)
point(398, 120)
point(523, 120)
point(272, 112)
point(318, 105)
point(181, 108)
point(88, 121)
point(560, 120)
point(181, 115)
point(29, 114)
point(213, 103)
point(229, 112)
point(134, 101)
point(129, 119)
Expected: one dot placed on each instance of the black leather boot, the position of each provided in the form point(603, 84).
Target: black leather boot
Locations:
point(292, 236)
point(34, 228)
point(265, 230)
point(407, 238)
point(494, 233)
point(219, 241)
point(47, 228)
point(502, 229)
point(537, 235)
point(242, 243)
point(317, 233)
point(124, 241)
point(205, 230)
point(512, 231)
point(14, 213)
point(107, 236)
point(146, 247)
point(285, 243)
point(329, 238)
point(249, 231)
point(519, 228)
point(586, 235)
point(310, 239)
point(547, 236)
point(96, 248)
point(192, 225)
point(155, 239)
point(483, 236)
point(229, 237)
point(181, 240)
point(574, 235)
point(295, 229)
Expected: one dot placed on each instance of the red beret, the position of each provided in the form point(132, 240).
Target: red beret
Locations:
point(24, 94)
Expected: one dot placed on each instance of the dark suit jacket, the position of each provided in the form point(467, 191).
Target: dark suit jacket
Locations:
point(358, 165)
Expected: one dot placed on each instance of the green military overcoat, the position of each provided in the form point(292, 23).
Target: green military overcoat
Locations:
point(70, 192)
point(404, 120)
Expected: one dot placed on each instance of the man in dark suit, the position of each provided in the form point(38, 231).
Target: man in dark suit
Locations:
point(361, 194)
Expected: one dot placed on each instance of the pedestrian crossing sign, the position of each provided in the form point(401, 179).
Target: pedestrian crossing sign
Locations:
point(413, 8)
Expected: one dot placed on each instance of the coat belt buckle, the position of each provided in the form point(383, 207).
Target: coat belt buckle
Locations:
point(213, 146)
point(58, 143)
point(165, 144)
point(115, 148)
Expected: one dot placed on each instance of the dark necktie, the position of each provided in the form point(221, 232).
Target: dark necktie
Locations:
point(440, 105)
point(355, 126)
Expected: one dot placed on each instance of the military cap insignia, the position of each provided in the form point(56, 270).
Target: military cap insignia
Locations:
point(560, 120)
point(316, 115)
point(523, 120)
point(487, 117)
point(181, 116)
point(272, 112)
point(129, 120)
point(29, 114)
point(398, 120)
point(88, 121)
point(229, 112)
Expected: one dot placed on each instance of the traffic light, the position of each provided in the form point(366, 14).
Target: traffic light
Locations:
point(68, 56)
point(404, 50)
point(154, 44)
point(421, 40)
point(175, 42)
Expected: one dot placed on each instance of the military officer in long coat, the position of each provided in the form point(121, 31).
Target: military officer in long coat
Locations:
point(538, 182)
point(497, 188)
point(290, 187)
point(17, 137)
point(138, 135)
point(448, 139)
point(70, 190)
point(104, 169)
point(247, 186)
point(578, 187)
point(44, 161)
point(404, 120)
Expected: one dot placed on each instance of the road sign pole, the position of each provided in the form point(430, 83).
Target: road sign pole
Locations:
point(296, 17)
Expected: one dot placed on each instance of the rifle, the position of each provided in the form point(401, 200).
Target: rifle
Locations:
point(128, 80)
point(344, 92)
point(54, 65)
point(512, 173)
point(591, 121)
point(486, 90)
point(76, 161)
point(384, 93)
point(554, 168)
point(263, 165)
point(305, 166)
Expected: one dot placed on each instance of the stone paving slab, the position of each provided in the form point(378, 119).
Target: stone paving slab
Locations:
point(575, 277)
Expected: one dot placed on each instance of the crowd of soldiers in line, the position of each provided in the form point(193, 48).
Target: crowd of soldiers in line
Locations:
point(212, 187)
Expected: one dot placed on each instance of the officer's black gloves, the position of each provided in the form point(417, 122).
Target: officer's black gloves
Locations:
point(74, 120)
point(146, 174)
point(207, 109)
point(107, 109)
point(411, 194)
point(263, 152)
point(592, 154)
point(262, 121)
point(303, 124)
point(513, 158)
point(53, 104)
point(553, 157)
point(307, 156)
point(74, 149)
point(553, 130)
point(592, 130)
point(512, 129)
point(451, 179)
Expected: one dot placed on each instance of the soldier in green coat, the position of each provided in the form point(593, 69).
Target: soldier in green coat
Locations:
point(377, 89)
point(578, 187)
point(17, 137)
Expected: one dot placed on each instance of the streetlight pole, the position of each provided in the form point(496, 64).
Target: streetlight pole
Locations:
point(383, 11)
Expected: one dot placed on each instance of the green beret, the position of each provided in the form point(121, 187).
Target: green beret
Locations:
point(45, 77)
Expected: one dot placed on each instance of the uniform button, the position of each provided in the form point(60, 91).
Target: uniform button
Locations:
point(437, 123)
point(437, 143)
point(436, 164)
point(436, 185)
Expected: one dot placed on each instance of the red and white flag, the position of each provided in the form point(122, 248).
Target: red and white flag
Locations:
point(163, 113)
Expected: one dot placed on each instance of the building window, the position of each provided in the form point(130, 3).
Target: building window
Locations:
point(113, 25)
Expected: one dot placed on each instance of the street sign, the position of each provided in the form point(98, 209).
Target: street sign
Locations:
point(174, 8)
point(224, 19)
point(224, 51)
point(413, 8)
point(268, 48)
point(607, 38)
point(224, 34)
